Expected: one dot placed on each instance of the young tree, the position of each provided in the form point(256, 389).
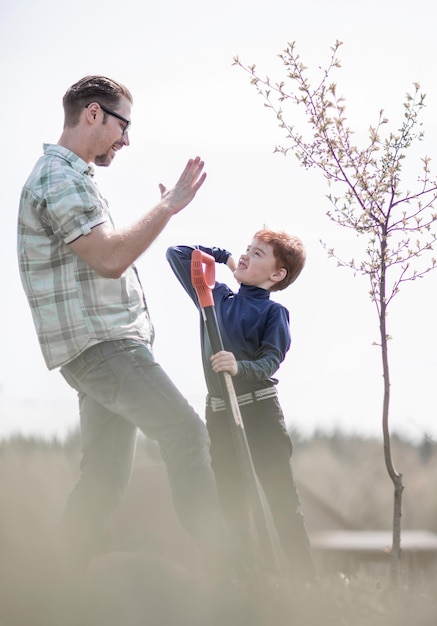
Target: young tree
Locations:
point(398, 224)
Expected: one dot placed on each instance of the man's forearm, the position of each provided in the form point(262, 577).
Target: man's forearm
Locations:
point(111, 252)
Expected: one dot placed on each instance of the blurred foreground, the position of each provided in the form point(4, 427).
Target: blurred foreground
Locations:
point(149, 573)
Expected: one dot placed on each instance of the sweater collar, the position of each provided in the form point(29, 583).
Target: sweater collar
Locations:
point(249, 291)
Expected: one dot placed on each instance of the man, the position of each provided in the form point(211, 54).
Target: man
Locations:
point(92, 321)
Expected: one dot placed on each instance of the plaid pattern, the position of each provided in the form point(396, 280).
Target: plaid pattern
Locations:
point(72, 306)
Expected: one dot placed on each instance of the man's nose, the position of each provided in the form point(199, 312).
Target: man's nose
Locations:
point(125, 139)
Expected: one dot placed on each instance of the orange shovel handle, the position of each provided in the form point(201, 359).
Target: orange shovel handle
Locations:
point(203, 276)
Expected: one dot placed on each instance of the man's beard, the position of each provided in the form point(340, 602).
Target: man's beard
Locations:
point(103, 160)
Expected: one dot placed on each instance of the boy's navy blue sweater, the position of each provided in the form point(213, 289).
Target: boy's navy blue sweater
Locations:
point(253, 327)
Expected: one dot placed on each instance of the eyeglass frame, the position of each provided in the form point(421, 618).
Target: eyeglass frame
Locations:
point(114, 114)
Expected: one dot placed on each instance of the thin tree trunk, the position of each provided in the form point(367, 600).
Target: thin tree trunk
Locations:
point(395, 476)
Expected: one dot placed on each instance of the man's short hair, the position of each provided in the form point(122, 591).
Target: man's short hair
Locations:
point(92, 89)
point(289, 252)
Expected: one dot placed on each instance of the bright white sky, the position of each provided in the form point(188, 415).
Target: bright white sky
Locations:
point(176, 58)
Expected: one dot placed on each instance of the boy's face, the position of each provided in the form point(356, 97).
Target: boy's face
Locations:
point(258, 266)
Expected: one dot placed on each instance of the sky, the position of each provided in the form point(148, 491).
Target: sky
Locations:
point(176, 59)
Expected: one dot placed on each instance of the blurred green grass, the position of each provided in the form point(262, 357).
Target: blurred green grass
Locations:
point(347, 473)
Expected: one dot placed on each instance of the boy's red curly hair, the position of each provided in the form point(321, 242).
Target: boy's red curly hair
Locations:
point(289, 252)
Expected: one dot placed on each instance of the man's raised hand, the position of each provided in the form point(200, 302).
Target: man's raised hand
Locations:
point(190, 181)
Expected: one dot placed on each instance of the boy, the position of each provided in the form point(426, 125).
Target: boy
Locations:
point(256, 338)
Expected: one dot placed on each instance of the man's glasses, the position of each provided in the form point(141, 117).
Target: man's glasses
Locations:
point(115, 114)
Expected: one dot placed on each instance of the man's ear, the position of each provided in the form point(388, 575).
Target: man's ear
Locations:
point(278, 275)
point(92, 110)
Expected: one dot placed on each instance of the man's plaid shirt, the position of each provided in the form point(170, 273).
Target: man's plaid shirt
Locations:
point(73, 307)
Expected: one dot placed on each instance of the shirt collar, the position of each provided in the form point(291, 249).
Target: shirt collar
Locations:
point(75, 161)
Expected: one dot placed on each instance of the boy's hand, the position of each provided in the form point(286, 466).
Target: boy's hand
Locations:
point(231, 263)
point(224, 362)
